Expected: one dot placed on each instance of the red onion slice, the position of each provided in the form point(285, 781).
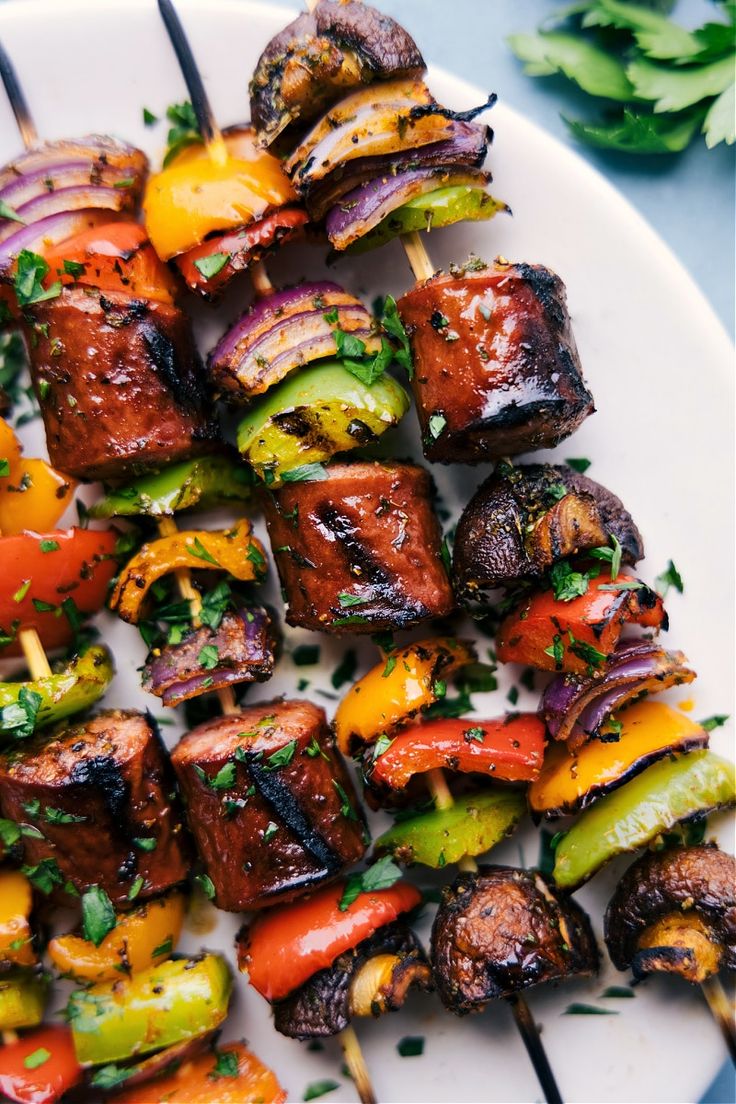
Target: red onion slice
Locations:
point(70, 174)
point(50, 231)
point(81, 198)
point(244, 643)
point(361, 210)
point(100, 151)
point(575, 707)
point(466, 148)
point(284, 332)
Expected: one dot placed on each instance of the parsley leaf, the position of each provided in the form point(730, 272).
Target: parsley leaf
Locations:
point(578, 464)
point(98, 915)
point(226, 1065)
point(411, 1046)
point(210, 265)
point(20, 716)
point(566, 582)
point(282, 757)
point(31, 270)
point(392, 324)
point(208, 657)
point(304, 474)
point(8, 212)
point(196, 548)
point(110, 1076)
point(184, 131)
point(716, 721)
point(37, 1058)
point(382, 875)
point(670, 577)
point(316, 1089)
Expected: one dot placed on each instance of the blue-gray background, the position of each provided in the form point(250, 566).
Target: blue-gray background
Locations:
point(687, 197)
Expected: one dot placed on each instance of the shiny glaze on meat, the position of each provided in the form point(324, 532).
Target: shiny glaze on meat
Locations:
point(496, 368)
point(119, 384)
point(360, 550)
point(278, 830)
point(111, 771)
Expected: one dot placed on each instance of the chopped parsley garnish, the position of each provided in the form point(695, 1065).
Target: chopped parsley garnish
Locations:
point(610, 555)
point(223, 780)
point(282, 757)
point(306, 473)
point(716, 721)
point(346, 806)
point(44, 876)
point(48, 545)
point(36, 1058)
point(206, 885)
point(8, 212)
point(210, 265)
point(670, 577)
point(436, 425)
point(227, 1065)
point(382, 875)
point(270, 831)
point(208, 657)
point(567, 583)
point(184, 131)
point(345, 670)
point(164, 948)
point(411, 1046)
point(348, 600)
point(316, 1089)
point(578, 1009)
point(110, 1076)
point(556, 650)
point(9, 833)
point(31, 270)
point(196, 548)
point(19, 718)
point(98, 915)
point(149, 119)
point(578, 464)
point(305, 655)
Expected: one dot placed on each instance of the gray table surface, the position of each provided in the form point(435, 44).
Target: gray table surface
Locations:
point(688, 198)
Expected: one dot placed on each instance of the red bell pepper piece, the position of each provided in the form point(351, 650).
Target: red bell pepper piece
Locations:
point(241, 247)
point(285, 946)
point(39, 1067)
point(41, 570)
point(509, 749)
point(579, 635)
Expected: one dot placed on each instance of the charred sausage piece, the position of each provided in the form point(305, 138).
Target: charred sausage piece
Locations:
point(503, 930)
point(243, 652)
point(524, 519)
point(675, 911)
point(360, 550)
point(321, 57)
point(99, 797)
point(269, 802)
point(325, 1005)
point(119, 383)
point(496, 368)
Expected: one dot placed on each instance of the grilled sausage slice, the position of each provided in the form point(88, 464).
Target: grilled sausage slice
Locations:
point(523, 519)
point(99, 796)
point(360, 550)
point(675, 911)
point(269, 802)
point(503, 930)
point(320, 57)
point(323, 1006)
point(119, 383)
point(496, 368)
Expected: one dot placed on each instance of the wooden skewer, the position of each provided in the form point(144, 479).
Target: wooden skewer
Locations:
point(262, 285)
point(17, 100)
point(722, 1009)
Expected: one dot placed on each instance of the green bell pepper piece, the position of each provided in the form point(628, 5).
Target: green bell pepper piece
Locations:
point(443, 207)
point(166, 1004)
point(313, 414)
point(22, 999)
point(26, 707)
point(205, 481)
point(472, 826)
point(671, 790)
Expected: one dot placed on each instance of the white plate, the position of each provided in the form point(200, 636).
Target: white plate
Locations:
point(660, 367)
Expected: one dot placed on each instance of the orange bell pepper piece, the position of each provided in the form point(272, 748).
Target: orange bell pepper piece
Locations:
point(114, 257)
point(233, 550)
point(33, 495)
point(16, 937)
point(141, 938)
point(391, 693)
point(569, 782)
point(578, 635)
point(210, 1079)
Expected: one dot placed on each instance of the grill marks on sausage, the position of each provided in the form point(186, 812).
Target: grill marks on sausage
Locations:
point(371, 528)
point(287, 808)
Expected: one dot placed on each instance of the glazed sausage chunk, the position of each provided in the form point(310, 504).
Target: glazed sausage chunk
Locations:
point(99, 797)
point(269, 803)
point(360, 550)
point(496, 368)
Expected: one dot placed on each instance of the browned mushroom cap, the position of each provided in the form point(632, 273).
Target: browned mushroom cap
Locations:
point(321, 57)
point(503, 930)
point(370, 979)
point(524, 519)
point(675, 911)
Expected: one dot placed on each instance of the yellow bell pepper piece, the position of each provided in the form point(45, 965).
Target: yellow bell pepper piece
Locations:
point(232, 550)
point(393, 691)
point(22, 999)
point(141, 938)
point(16, 902)
point(197, 194)
point(650, 730)
point(33, 495)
